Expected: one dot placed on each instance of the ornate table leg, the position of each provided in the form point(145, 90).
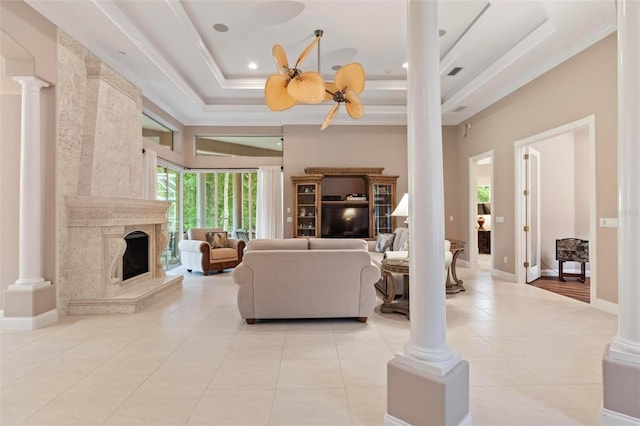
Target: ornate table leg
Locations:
point(454, 286)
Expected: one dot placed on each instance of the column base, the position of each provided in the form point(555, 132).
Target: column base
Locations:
point(415, 397)
point(621, 392)
point(29, 308)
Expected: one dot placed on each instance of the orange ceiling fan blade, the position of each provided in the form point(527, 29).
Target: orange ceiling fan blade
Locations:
point(276, 94)
point(280, 59)
point(308, 87)
point(330, 116)
point(355, 109)
point(306, 51)
point(329, 89)
point(351, 76)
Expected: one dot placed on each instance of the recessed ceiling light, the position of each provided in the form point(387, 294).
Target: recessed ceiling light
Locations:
point(221, 28)
point(405, 65)
point(336, 67)
point(441, 33)
point(122, 52)
point(253, 66)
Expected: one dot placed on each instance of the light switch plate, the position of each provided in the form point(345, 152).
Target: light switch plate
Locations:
point(289, 219)
point(499, 219)
point(608, 222)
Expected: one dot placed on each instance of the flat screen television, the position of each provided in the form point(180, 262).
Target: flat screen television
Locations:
point(339, 221)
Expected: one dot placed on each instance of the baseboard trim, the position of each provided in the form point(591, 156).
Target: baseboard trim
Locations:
point(30, 323)
point(612, 418)
point(389, 420)
point(606, 306)
point(505, 276)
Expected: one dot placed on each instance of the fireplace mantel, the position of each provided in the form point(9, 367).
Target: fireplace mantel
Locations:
point(115, 211)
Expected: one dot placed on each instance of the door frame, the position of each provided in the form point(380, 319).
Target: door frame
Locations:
point(473, 207)
point(588, 122)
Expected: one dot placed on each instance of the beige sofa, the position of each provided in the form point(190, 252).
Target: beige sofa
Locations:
point(196, 254)
point(401, 235)
point(306, 278)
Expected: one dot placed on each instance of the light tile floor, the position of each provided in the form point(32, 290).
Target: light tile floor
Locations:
point(189, 359)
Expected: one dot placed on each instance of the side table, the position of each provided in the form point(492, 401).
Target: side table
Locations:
point(389, 305)
point(454, 285)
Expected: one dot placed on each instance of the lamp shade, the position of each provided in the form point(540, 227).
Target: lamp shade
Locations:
point(483, 208)
point(402, 209)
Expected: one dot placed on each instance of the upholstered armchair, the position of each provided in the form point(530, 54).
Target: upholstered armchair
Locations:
point(210, 249)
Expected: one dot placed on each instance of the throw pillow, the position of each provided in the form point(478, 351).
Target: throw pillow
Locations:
point(217, 239)
point(384, 242)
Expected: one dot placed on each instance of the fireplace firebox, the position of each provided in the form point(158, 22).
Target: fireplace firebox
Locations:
point(135, 260)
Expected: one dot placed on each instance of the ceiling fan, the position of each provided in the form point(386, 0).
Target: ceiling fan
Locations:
point(291, 85)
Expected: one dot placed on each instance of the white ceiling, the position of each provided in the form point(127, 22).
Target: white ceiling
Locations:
point(200, 76)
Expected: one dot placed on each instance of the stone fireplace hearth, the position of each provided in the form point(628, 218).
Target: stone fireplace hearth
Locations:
point(97, 230)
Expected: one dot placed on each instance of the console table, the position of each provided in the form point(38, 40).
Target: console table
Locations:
point(389, 305)
point(454, 285)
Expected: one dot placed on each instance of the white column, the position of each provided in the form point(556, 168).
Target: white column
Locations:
point(201, 201)
point(31, 219)
point(427, 348)
point(621, 360)
point(625, 346)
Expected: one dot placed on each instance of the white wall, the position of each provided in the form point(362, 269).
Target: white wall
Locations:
point(557, 195)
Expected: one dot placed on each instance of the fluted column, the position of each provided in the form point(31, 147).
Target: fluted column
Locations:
point(427, 383)
point(621, 363)
point(31, 220)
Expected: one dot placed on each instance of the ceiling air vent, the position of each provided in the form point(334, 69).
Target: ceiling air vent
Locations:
point(455, 71)
point(460, 108)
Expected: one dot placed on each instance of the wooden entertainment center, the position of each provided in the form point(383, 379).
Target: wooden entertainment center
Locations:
point(343, 193)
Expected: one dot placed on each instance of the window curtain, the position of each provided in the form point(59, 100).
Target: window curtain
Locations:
point(269, 222)
point(149, 179)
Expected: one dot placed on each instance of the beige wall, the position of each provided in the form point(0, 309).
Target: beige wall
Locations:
point(584, 85)
point(37, 36)
point(452, 217)
point(343, 146)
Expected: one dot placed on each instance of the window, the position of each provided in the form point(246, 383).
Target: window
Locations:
point(225, 199)
point(168, 190)
point(237, 146)
point(484, 194)
point(157, 132)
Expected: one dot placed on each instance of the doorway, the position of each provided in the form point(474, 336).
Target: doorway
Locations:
point(481, 206)
point(555, 183)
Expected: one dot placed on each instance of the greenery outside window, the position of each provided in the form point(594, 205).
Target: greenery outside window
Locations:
point(225, 199)
point(484, 194)
point(156, 132)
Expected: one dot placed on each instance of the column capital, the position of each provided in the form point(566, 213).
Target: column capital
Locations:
point(30, 82)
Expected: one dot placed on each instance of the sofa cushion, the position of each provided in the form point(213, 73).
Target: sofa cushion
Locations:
point(217, 239)
point(276, 244)
point(337, 243)
point(222, 254)
point(384, 242)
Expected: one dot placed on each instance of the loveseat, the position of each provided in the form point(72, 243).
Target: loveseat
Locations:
point(198, 254)
point(399, 249)
point(306, 278)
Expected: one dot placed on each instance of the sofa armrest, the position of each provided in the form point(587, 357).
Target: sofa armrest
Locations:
point(243, 276)
point(238, 245)
point(371, 245)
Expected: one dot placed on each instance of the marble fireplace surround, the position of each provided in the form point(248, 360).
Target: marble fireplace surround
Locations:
point(97, 227)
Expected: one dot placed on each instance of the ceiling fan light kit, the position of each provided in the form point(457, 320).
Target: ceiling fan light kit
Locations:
point(291, 85)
